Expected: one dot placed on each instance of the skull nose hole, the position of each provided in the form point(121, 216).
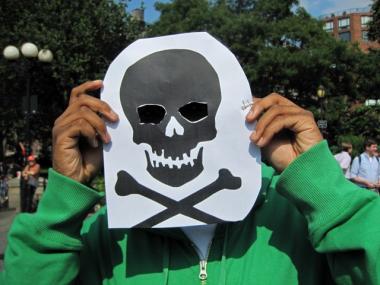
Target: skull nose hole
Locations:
point(194, 111)
point(151, 113)
point(173, 127)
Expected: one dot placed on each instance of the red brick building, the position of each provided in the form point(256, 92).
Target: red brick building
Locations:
point(351, 25)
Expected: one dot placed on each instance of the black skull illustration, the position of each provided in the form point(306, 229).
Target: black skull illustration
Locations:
point(171, 98)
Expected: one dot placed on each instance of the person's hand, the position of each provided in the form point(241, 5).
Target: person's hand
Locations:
point(370, 185)
point(283, 131)
point(25, 175)
point(78, 131)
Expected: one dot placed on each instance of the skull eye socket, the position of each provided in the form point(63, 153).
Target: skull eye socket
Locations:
point(194, 111)
point(151, 114)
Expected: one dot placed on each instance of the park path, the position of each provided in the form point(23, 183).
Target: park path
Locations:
point(7, 216)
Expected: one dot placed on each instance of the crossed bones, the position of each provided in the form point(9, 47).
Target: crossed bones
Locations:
point(127, 185)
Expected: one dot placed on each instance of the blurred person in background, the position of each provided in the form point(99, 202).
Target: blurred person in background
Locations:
point(365, 170)
point(3, 186)
point(30, 176)
point(344, 158)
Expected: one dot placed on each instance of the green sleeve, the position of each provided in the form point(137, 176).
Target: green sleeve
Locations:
point(343, 219)
point(43, 248)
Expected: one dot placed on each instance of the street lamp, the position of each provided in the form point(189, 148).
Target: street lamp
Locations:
point(11, 53)
point(321, 93)
point(29, 51)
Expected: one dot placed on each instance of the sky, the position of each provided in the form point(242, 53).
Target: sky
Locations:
point(320, 7)
point(315, 7)
point(151, 14)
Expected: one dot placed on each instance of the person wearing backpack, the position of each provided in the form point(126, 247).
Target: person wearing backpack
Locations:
point(365, 169)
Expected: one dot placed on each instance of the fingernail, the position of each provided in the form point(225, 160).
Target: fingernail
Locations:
point(252, 114)
point(107, 138)
point(260, 142)
point(249, 115)
point(114, 116)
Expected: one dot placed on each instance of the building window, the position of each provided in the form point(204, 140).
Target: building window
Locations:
point(329, 26)
point(345, 36)
point(344, 23)
point(365, 20)
point(365, 36)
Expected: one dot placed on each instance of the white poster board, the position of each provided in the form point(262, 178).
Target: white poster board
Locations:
point(180, 154)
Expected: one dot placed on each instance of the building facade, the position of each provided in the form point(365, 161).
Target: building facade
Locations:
point(351, 25)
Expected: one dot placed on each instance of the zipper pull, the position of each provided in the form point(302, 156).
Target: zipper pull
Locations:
point(203, 271)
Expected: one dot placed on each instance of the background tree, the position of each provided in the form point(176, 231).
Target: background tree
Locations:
point(374, 27)
point(84, 36)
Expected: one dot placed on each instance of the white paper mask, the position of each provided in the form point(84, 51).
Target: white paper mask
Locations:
point(180, 154)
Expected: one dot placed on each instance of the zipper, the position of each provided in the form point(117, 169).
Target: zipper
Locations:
point(203, 271)
point(202, 263)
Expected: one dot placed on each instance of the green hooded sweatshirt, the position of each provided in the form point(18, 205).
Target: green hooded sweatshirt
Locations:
point(309, 226)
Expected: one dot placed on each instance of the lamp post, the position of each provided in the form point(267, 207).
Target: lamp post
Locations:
point(321, 93)
point(30, 52)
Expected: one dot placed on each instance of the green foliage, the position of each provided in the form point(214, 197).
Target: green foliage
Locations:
point(374, 28)
point(84, 36)
point(355, 125)
point(98, 183)
point(357, 142)
point(368, 76)
point(363, 120)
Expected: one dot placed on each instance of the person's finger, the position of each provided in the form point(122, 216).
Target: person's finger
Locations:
point(96, 105)
point(87, 115)
point(275, 127)
point(68, 158)
point(263, 104)
point(271, 114)
point(76, 92)
point(281, 122)
point(68, 136)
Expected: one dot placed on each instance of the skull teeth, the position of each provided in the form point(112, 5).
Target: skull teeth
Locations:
point(159, 160)
point(170, 162)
